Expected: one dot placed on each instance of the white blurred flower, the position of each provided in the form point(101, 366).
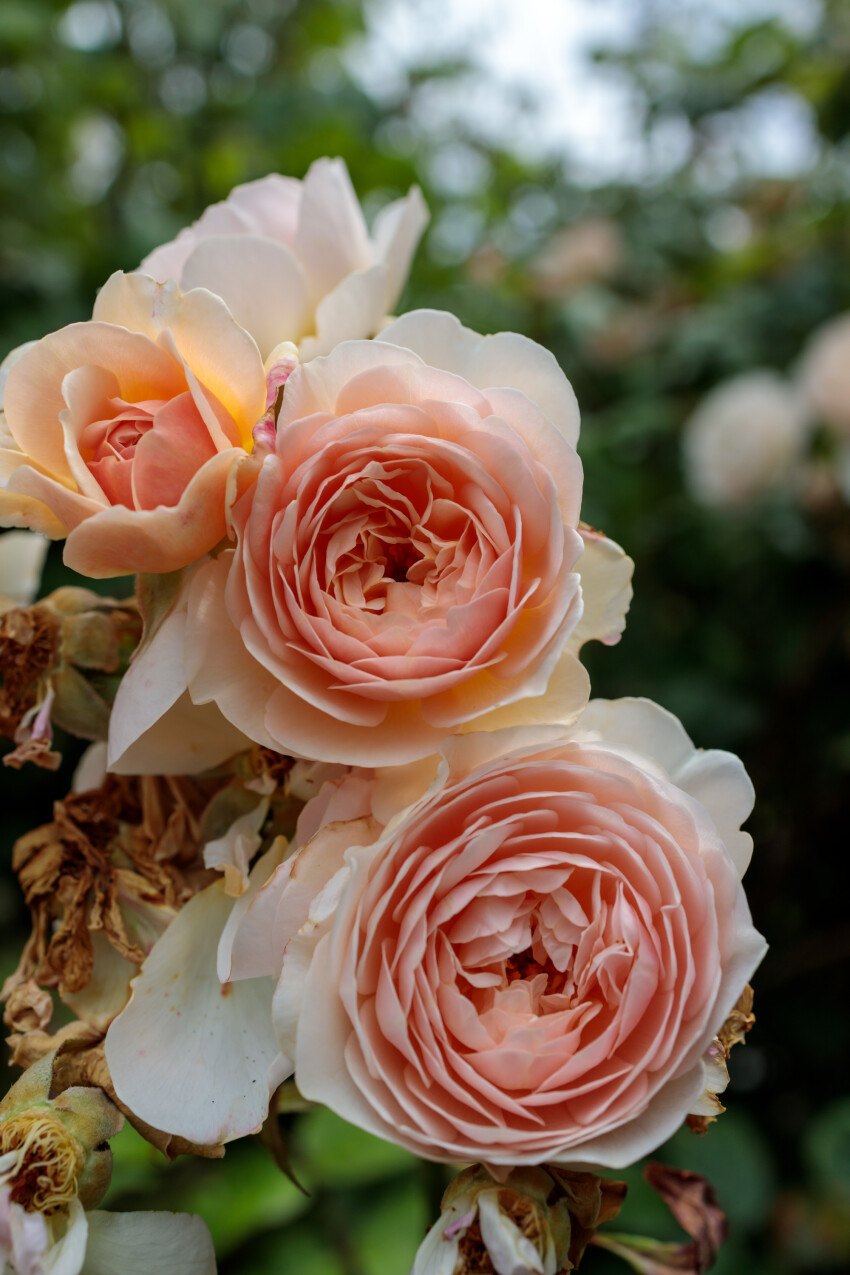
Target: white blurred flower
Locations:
point(743, 438)
point(824, 374)
point(22, 555)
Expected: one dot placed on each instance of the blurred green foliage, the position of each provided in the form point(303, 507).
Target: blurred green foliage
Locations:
point(120, 121)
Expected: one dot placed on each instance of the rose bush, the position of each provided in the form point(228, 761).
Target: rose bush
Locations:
point(531, 962)
point(125, 431)
point(408, 561)
point(294, 260)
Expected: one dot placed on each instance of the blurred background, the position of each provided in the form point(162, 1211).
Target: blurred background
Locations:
point(657, 190)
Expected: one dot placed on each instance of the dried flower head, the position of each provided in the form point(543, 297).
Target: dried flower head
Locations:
point(102, 881)
point(538, 1221)
point(60, 664)
point(54, 1150)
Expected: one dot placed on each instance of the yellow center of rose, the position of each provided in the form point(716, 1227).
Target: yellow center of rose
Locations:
point(42, 1175)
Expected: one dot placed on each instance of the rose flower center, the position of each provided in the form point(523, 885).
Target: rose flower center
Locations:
point(39, 1161)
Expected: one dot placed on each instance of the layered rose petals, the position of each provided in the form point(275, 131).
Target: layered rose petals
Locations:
point(294, 260)
point(405, 560)
point(530, 964)
point(127, 429)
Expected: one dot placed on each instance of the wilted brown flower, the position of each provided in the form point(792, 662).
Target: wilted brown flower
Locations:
point(102, 881)
point(60, 663)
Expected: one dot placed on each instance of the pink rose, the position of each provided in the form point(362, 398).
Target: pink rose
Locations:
point(531, 962)
point(126, 431)
point(294, 260)
point(407, 559)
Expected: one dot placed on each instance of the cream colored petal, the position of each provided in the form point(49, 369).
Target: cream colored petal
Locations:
point(227, 957)
point(67, 1256)
point(189, 1055)
point(261, 282)
point(35, 490)
point(316, 386)
point(108, 989)
point(148, 1244)
point(22, 555)
point(21, 511)
point(562, 702)
point(219, 669)
point(395, 235)
point(154, 727)
point(606, 590)
point(509, 1250)
point(232, 853)
point(437, 1255)
point(355, 308)
point(506, 360)
point(9, 362)
point(332, 240)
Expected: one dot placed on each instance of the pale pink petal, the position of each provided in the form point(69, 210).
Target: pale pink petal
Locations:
point(396, 233)
point(716, 779)
point(354, 308)
point(506, 360)
point(315, 387)
point(268, 206)
point(331, 241)
point(261, 282)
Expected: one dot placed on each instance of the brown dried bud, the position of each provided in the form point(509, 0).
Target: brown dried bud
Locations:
point(60, 662)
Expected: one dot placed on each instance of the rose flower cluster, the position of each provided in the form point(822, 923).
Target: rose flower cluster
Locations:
point(349, 813)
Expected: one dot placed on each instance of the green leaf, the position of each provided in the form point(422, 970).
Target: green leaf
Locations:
point(335, 1153)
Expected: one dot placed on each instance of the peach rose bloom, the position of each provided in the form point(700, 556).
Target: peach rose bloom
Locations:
point(294, 261)
point(530, 963)
point(124, 432)
point(406, 559)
